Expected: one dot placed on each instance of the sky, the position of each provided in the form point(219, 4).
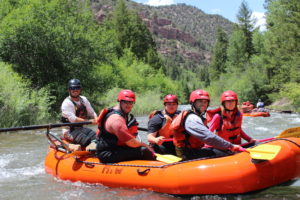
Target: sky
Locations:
point(226, 8)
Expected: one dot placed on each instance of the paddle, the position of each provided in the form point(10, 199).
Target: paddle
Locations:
point(290, 132)
point(167, 158)
point(48, 126)
point(142, 129)
point(263, 152)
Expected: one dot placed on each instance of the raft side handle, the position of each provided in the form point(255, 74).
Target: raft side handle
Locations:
point(143, 172)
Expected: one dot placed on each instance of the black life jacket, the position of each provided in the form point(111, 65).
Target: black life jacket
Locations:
point(107, 140)
point(80, 110)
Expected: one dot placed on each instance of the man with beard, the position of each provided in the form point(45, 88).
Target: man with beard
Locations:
point(77, 108)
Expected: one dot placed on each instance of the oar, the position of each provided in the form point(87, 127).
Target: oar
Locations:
point(290, 132)
point(264, 151)
point(167, 158)
point(142, 129)
point(49, 126)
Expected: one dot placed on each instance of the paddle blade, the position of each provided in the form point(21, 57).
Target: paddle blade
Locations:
point(167, 158)
point(264, 151)
point(290, 132)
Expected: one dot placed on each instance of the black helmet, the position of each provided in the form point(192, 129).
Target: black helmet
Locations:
point(74, 83)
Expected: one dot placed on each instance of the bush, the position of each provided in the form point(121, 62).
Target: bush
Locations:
point(20, 105)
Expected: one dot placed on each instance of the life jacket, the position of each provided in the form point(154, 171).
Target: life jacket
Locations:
point(167, 120)
point(230, 127)
point(80, 110)
point(107, 139)
point(181, 137)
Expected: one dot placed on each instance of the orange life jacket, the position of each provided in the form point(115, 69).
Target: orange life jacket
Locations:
point(165, 129)
point(110, 138)
point(230, 126)
point(181, 137)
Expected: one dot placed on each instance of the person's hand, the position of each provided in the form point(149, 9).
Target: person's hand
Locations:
point(91, 147)
point(74, 147)
point(253, 141)
point(236, 148)
point(94, 121)
point(159, 140)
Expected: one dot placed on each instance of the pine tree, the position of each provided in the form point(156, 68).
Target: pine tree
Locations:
point(283, 41)
point(246, 25)
point(219, 57)
point(132, 33)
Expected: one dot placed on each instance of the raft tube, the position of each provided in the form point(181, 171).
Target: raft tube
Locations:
point(257, 114)
point(233, 174)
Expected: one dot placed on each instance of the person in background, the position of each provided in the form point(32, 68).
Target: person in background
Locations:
point(247, 107)
point(117, 131)
point(77, 108)
point(191, 131)
point(159, 126)
point(227, 120)
point(260, 106)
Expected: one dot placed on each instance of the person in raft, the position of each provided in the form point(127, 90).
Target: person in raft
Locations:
point(227, 119)
point(159, 133)
point(77, 108)
point(191, 131)
point(117, 131)
point(260, 106)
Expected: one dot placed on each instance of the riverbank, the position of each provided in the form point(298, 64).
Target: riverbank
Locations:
point(283, 105)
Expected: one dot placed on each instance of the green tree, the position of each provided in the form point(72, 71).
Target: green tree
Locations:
point(246, 25)
point(219, 58)
point(132, 33)
point(236, 52)
point(50, 42)
point(283, 42)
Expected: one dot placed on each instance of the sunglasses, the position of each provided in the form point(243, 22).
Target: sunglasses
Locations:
point(75, 88)
point(128, 102)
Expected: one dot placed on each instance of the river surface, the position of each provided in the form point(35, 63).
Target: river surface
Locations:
point(22, 174)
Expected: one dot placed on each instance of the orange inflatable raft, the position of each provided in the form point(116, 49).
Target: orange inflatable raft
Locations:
point(225, 175)
point(257, 114)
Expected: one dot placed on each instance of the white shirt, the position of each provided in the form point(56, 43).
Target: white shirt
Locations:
point(68, 110)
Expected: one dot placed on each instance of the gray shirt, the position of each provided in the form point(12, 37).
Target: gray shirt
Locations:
point(195, 127)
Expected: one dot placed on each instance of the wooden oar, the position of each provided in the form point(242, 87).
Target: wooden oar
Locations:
point(290, 132)
point(264, 151)
point(49, 126)
point(167, 158)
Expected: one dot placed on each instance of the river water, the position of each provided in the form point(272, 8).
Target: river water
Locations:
point(22, 174)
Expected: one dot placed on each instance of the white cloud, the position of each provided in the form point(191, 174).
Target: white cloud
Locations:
point(216, 11)
point(260, 20)
point(160, 2)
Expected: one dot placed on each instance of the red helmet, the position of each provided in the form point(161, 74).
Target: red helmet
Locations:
point(199, 94)
point(228, 95)
point(126, 95)
point(171, 98)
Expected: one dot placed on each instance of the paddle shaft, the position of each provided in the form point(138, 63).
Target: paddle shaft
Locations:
point(142, 129)
point(49, 126)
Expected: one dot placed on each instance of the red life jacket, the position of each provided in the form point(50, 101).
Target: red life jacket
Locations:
point(109, 138)
point(230, 126)
point(181, 137)
point(165, 129)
